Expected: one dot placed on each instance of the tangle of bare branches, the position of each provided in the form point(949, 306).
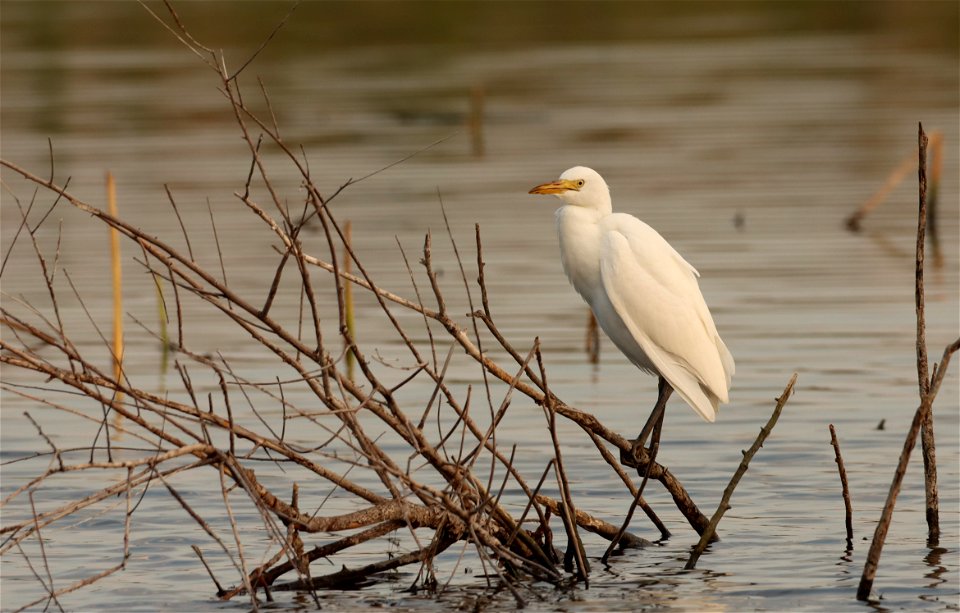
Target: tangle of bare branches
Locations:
point(444, 487)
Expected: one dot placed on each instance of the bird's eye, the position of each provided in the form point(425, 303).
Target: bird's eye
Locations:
point(579, 182)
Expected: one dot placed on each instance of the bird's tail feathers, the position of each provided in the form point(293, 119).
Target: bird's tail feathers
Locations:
point(726, 359)
point(694, 393)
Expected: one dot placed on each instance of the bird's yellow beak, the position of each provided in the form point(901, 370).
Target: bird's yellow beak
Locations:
point(556, 187)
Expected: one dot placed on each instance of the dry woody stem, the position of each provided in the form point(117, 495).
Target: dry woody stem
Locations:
point(928, 445)
point(847, 505)
point(929, 384)
point(724, 505)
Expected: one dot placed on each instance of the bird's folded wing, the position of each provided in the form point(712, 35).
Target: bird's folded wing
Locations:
point(658, 299)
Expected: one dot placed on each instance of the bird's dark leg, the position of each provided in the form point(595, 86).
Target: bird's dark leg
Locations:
point(656, 416)
point(653, 426)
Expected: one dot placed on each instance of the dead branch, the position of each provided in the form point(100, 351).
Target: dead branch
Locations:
point(923, 417)
point(848, 507)
point(928, 445)
point(880, 534)
point(724, 505)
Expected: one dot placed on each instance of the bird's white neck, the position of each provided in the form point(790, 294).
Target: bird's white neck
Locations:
point(605, 206)
point(578, 229)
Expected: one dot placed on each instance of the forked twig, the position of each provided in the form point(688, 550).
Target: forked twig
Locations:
point(880, 534)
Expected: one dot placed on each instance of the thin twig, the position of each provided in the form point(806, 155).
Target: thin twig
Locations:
point(176, 211)
point(216, 240)
point(848, 507)
point(575, 549)
point(236, 537)
point(265, 42)
point(43, 553)
point(724, 505)
point(220, 590)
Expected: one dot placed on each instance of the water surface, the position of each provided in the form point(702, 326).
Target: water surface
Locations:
point(744, 133)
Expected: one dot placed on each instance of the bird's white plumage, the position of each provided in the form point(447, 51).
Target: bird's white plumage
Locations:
point(644, 295)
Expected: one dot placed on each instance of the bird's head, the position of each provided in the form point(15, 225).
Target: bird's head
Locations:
point(579, 186)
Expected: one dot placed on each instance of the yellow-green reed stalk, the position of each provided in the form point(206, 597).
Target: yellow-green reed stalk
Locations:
point(117, 274)
point(348, 296)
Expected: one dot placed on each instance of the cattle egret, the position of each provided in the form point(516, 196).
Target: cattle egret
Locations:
point(644, 295)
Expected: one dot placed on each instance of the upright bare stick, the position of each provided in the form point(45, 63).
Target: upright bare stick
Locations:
point(923, 418)
point(928, 445)
point(848, 507)
point(922, 371)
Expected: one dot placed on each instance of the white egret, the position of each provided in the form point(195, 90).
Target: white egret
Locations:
point(644, 295)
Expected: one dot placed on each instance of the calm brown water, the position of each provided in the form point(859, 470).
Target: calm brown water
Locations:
point(785, 117)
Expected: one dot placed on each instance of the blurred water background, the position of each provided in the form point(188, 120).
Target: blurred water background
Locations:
point(744, 132)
